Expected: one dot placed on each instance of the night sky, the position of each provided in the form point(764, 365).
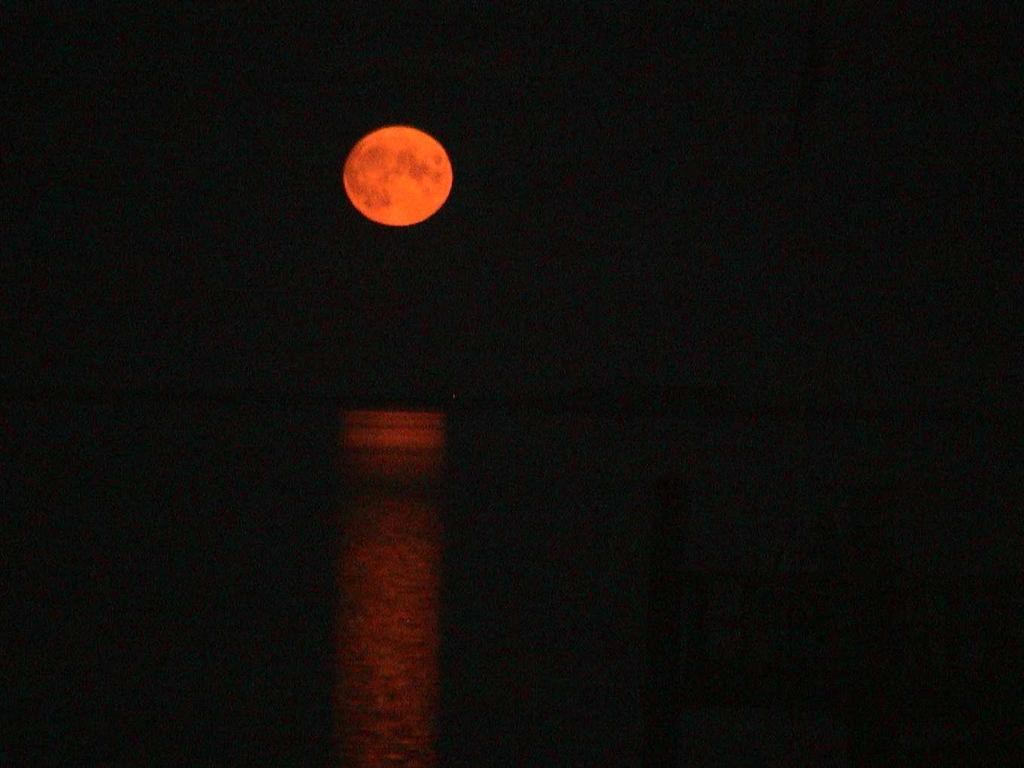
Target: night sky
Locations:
point(772, 195)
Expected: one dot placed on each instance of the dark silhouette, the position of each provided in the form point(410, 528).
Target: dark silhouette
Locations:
point(904, 639)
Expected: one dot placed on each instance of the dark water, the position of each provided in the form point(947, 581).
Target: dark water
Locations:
point(230, 583)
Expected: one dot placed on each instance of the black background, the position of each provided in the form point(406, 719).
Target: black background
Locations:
point(761, 196)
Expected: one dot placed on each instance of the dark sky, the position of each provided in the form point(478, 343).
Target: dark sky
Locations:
point(756, 195)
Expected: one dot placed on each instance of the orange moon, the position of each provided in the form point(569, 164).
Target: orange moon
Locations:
point(397, 175)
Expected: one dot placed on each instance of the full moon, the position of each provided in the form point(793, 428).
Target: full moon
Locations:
point(397, 175)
